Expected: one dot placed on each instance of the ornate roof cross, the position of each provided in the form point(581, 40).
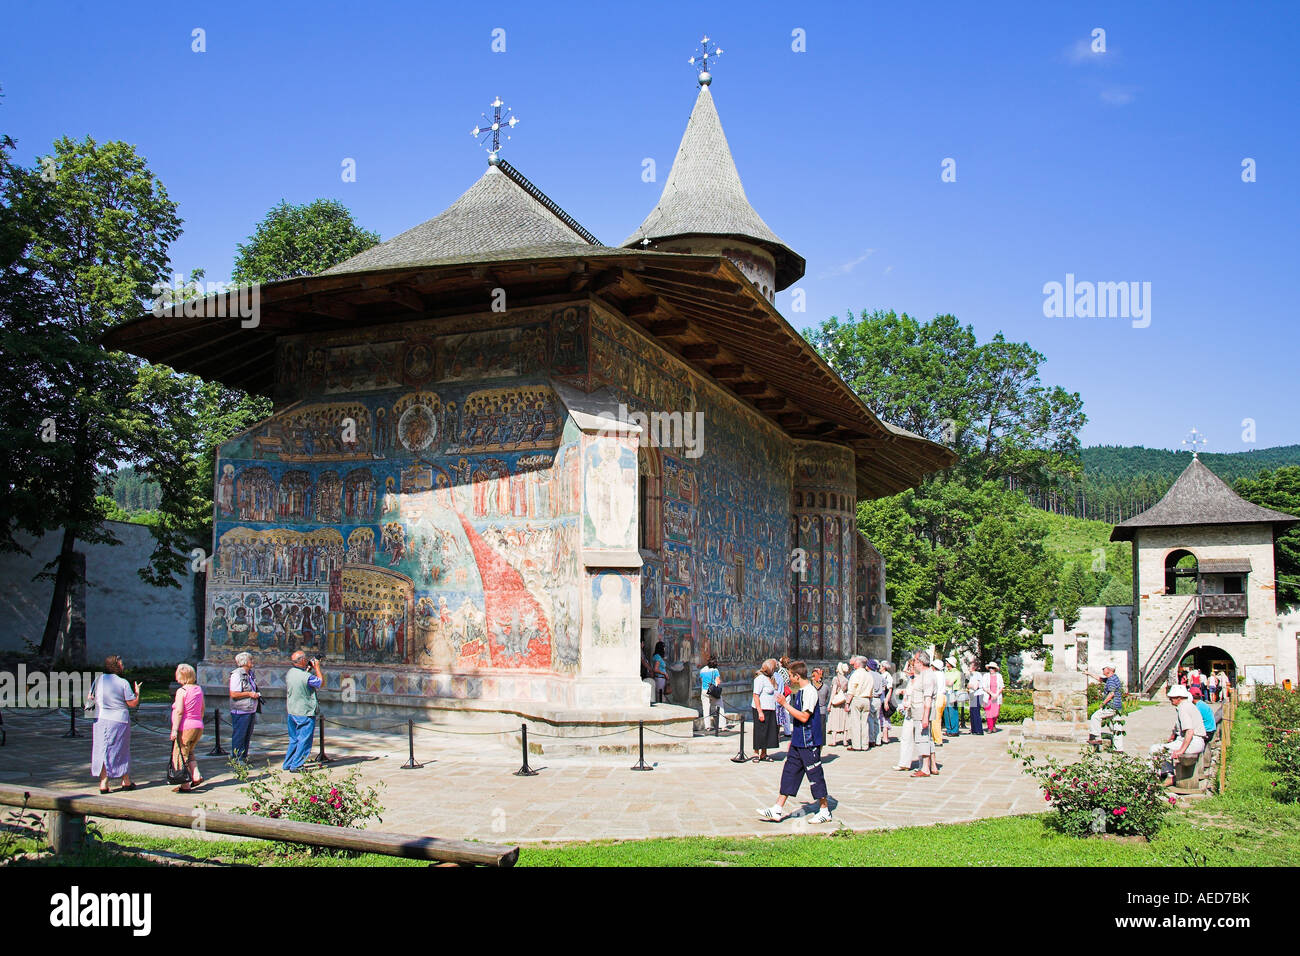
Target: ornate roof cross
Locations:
point(489, 134)
point(1194, 439)
point(701, 62)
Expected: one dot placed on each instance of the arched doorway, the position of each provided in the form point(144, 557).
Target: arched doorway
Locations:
point(1207, 659)
point(650, 493)
point(1182, 576)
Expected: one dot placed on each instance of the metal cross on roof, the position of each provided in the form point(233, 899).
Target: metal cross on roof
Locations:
point(701, 62)
point(489, 134)
point(1194, 439)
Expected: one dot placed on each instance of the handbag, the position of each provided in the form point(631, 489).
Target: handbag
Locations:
point(89, 712)
point(839, 699)
point(715, 689)
point(177, 775)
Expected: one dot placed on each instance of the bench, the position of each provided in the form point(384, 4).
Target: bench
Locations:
point(1194, 775)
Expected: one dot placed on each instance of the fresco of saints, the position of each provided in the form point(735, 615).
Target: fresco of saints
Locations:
point(613, 625)
point(239, 628)
point(219, 632)
point(226, 490)
point(610, 498)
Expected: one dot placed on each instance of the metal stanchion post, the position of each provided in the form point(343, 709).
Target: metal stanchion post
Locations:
point(740, 754)
point(322, 757)
point(216, 750)
point(640, 763)
point(410, 739)
point(525, 770)
point(72, 729)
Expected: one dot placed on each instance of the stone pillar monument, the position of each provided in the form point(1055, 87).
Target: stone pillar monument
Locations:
point(1061, 694)
point(1060, 707)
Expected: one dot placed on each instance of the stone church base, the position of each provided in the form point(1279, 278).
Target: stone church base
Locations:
point(588, 708)
point(1061, 730)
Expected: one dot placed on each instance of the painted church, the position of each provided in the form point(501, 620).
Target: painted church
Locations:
point(506, 459)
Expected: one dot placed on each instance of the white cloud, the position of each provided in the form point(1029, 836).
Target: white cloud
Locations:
point(1081, 52)
point(844, 268)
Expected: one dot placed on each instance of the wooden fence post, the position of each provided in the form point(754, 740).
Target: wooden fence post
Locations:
point(66, 832)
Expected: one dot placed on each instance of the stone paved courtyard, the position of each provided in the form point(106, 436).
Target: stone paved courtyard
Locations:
point(467, 789)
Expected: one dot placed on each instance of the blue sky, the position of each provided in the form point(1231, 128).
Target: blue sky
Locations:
point(1122, 166)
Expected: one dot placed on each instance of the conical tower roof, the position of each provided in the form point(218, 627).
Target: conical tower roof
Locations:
point(1200, 497)
point(496, 213)
point(704, 195)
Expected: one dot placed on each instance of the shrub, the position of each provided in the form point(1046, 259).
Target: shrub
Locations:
point(311, 796)
point(1012, 713)
point(1103, 792)
point(1278, 711)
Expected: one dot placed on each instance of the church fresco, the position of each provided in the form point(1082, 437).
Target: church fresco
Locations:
point(424, 520)
point(610, 495)
point(870, 590)
point(731, 502)
point(425, 501)
point(613, 623)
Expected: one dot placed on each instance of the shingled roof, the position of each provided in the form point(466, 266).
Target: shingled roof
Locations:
point(495, 213)
point(704, 196)
point(1200, 497)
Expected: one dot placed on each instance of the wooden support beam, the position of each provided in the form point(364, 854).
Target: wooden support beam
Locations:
point(607, 279)
point(642, 307)
point(407, 298)
point(693, 281)
point(770, 404)
point(319, 305)
point(667, 328)
point(749, 389)
point(727, 370)
point(792, 419)
point(695, 353)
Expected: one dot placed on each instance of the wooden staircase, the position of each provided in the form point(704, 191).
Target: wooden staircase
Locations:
point(1171, 646)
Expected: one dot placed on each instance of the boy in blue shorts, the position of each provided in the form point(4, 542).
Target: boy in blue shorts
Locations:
point(804, 755)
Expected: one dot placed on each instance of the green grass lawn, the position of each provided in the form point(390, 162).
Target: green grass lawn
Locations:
point(1244, 826)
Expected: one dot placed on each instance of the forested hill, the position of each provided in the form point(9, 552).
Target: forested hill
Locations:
point(1121, 481)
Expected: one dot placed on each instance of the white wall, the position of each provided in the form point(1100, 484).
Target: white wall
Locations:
point(124, 615)
point(1288, 646)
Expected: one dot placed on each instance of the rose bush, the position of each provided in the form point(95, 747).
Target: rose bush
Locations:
point(311, 796)
point(1278, 711)
point(1103, 792)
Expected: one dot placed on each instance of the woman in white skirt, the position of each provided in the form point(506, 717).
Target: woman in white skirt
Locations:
point(114, 699)
point(903, 695)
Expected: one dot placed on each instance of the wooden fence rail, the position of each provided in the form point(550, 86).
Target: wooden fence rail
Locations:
point(1229, 714)
point(72, 809)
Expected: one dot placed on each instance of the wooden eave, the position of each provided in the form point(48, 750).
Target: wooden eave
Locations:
point(700, 308)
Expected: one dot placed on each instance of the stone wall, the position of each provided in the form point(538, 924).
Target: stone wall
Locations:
point(144, 624)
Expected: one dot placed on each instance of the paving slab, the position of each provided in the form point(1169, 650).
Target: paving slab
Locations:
point(467, 790)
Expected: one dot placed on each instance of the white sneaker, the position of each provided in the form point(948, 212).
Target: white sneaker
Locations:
point(823, 816)
point(772, 814)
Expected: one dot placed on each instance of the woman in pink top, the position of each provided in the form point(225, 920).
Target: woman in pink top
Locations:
point(187, 722)
point(993, 696)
